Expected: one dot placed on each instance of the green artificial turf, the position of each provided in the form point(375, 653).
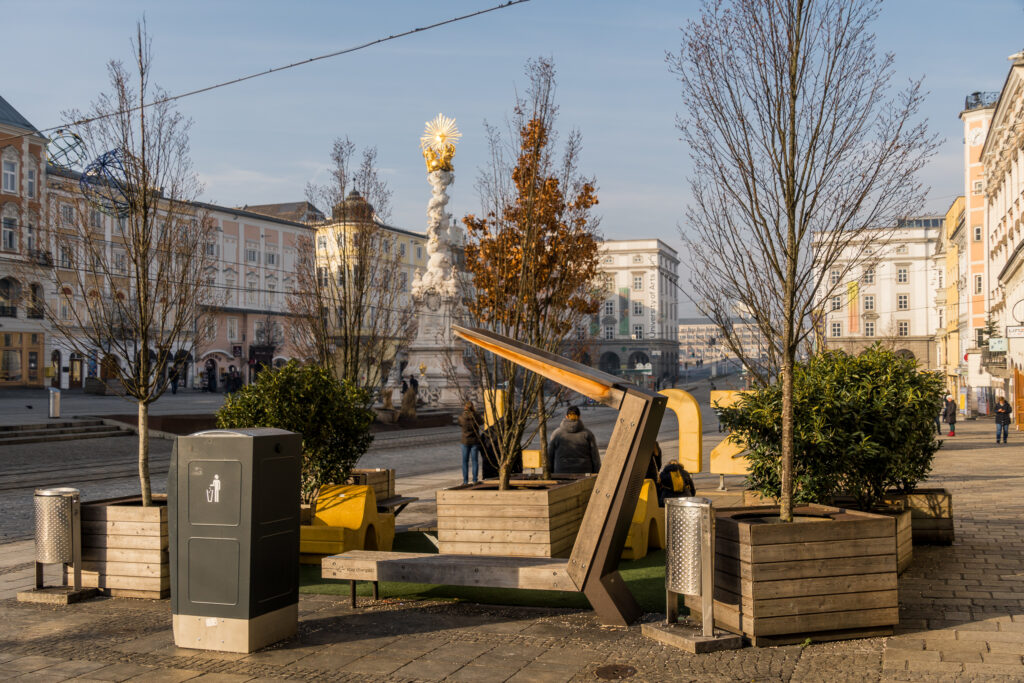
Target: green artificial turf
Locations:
point(645, 578)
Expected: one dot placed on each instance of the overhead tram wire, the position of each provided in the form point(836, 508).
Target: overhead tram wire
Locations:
point(240, 79)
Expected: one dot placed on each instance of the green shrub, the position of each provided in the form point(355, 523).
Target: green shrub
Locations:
point(330, 415)
point(863, 424)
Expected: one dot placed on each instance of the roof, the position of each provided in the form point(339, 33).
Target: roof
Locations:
point(291, 211)
point(12, 117)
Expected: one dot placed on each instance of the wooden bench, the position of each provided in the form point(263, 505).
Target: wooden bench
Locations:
point(592, 567)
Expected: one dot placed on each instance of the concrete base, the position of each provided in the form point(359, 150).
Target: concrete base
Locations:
point(235, 635)
point(686, 636)
point(57, 595)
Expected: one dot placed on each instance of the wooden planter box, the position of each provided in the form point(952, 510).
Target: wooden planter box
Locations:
point(931, 512)
point(829, 576)
point(125, 547)
point(382, 481)
point(526, 521)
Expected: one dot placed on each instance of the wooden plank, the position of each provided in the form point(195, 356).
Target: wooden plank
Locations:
point(822, 636)
point(789, 552)
point(91, 579)
point(446, 510)
point(126, 542)
point(124, 528)
point(546, 536)
point(452, 570)
point(127, 569)
point(853, 583)
point(820, 604)
point(125, 555)
point(810, 532)
point(808, 623)
point(774, 571)
point(496, 548)
point(124, 513)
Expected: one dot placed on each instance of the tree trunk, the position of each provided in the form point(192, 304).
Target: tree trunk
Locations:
point(147, 488)
point(504, 474)
point(786, 461)
point(542, 424)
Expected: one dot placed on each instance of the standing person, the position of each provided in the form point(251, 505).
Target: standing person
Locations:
point(1003, 411)
point(949, 414)
point(470, 424)
point(174, 379)
point(414, 384)
point(573, 448)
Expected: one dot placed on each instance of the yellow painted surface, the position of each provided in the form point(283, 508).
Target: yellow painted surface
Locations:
point(346, 518)
point(690, 431)
point(531, 459)
point(647, 530)
point(494, 406)
point(725, 457)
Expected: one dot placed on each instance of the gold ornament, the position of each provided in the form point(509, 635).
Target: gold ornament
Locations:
point(438, 143)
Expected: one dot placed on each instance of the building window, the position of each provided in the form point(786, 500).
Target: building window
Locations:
point(869, 302)
point(609, 308)
point(869, 329)
point(67, 214)
point(95, 220)
point(31, 184)
point(837, 329)
point(609, 259)
point(10, 176)
point(232, 329)
point(837, 303)
point(120, 262)
point(271, 258)
point(401, 248)
point(229, 287)
point(638, 259)
point(321, 243)
point(942, 279)
point(609, 332)
point(250, 293)
point(271, 294)
point(902, 302)
point(978, 286)
point(638, 331)
point(901, 249)
point(419, 253)
point(903, 329)
point(869, 276)
point(65, 258)
point(902, 275)
point(977, 233)
point(638, 308)
point(252, 255)
point(942, 318)
point(638, 282)
point(403, 282)
point(65, 309)
point(31, 241)
point(10, 241)
point(978, 187)
point(833, 277)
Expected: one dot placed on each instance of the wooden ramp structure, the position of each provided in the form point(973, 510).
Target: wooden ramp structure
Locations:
point(592, 566)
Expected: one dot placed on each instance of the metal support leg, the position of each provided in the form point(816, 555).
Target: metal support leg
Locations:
point(352, 592)
point(76, 542)
point(376, 588)
point(39, 576)
point(707, 573)
point(671, 607)
point(721, 483)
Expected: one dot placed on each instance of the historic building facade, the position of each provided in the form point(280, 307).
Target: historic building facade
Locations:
point(635, 333)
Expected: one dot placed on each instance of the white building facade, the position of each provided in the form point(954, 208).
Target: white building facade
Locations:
point(892, 299)
point(635, 332)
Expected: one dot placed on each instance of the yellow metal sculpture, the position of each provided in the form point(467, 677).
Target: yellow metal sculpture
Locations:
point(687, 412)
point(727, 457)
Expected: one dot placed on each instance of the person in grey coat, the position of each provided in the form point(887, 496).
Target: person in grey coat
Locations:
point(573, 448)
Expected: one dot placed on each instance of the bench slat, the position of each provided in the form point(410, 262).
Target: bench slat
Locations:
point(450, 570)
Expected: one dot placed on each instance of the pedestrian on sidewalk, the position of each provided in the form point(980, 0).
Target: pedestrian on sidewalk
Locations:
point(470, 423)
point(1003, 411)
point(573, 448)
point(949, 414)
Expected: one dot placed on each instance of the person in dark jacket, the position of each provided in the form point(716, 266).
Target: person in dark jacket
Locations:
point(470, 424)
point(1003, 412)
point(490, 452)
point(949, 414)
point(573, 448)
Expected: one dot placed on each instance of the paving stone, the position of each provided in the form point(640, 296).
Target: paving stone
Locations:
point(960, 656)
point(167, 676)
point(1016, 671)
point(40, 677)
point(24, 665)
point(905, 644)
point(1001, 658)
point(119, 672)
point(429, 669)
point(375, 664)
point(482, 674)
point(74, 667)
point(223, 678)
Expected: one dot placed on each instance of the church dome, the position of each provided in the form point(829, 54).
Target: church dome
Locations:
point(353, 208)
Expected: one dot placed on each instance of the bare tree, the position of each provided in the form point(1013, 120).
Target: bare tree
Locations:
point(799, 148)
point(532, 256)
point(140, 295)
point(351, 308)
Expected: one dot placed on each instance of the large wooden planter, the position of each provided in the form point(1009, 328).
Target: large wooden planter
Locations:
point(931, 512)
point(382, 481)
point(526, 521)
point(125, 547)
point(829, 575)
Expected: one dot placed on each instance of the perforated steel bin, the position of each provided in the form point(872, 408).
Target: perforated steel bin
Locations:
point(689, 556)
point(55, 514)
point(54, 402)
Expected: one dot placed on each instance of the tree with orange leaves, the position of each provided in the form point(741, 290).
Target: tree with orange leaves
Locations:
point(531, 257)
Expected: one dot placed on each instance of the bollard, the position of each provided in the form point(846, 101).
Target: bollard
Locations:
point(54, 402)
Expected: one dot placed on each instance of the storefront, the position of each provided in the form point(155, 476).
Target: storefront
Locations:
point(21, 355)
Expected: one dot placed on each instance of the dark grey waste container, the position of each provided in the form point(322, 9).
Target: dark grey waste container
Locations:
point(234, 530)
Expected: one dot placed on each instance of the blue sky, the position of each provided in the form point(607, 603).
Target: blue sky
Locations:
point(263, 140)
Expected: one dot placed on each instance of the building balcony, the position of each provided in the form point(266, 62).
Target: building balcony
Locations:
point(994, 363)
point(41, 257)
point(8, 311)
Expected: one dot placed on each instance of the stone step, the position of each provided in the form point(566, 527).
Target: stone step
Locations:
point(6, 429)
point(56, 431)
point(47, 438)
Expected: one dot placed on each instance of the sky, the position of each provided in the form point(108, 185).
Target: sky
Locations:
point(263, 140)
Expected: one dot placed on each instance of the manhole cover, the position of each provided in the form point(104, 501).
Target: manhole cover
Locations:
point(615, 672)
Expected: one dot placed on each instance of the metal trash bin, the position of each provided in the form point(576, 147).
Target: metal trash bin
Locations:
point(58, 531)
point(54, 402)
point(689, 557)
